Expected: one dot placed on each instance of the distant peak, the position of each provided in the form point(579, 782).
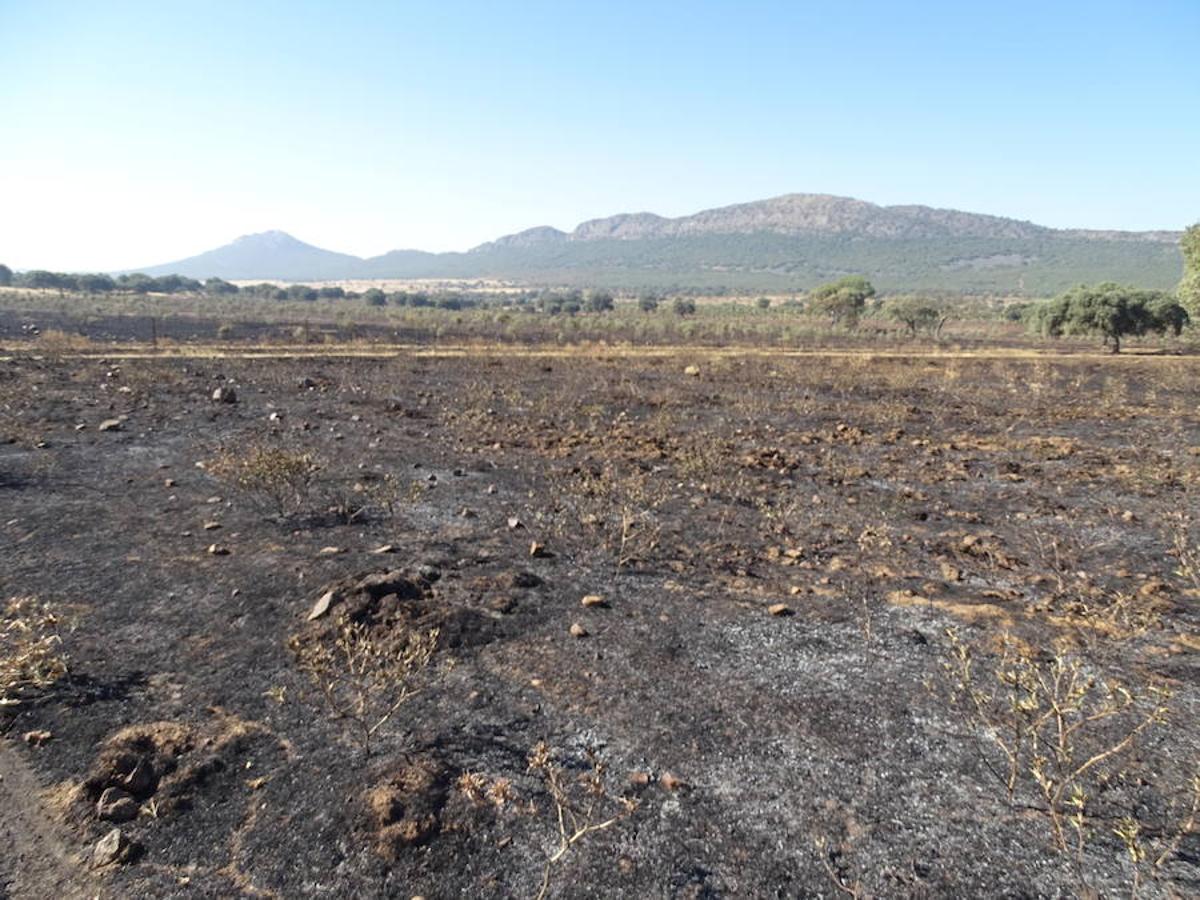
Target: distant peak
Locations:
point(273, 236)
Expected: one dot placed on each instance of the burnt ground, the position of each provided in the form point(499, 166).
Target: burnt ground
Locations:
point(728, 747)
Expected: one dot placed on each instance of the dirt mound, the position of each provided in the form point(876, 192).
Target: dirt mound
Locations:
point(161, 764)
point(404, 809)
point(393, 604)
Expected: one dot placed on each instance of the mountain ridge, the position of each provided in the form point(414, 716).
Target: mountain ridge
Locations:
point(783, 241)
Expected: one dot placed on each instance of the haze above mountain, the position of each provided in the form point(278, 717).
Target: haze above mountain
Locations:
point(787, 242)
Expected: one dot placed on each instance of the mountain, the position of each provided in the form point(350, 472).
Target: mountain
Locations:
point(784, 243)
point(263, 257)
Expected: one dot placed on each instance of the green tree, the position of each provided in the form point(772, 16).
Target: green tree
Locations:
point(176, 284)
point(219, 286)
point(6, 275)
point(375, 297)
point(95, 284)
point(1113, 311)
point(843, 300)
point(763, 302)
point(918, 314)
point(40, 278)
point(332, 293)
point(684, 306)
point(599, 301)
point(301, 292)
point(1189, 287)
point(648, 302)
point(136, 283)
point(1169, 316)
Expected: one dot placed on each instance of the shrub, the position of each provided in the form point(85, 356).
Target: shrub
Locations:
point(363, 679)
point(31, 656)
point(281, 478)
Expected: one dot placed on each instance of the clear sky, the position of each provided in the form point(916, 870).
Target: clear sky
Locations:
point(133, 133)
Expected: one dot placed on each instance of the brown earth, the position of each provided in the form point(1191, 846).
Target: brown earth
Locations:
point(758, 705)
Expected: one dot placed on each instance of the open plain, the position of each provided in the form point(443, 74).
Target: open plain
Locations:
point(576, 622)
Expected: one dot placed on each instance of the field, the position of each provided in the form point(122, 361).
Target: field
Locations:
point(878, 620)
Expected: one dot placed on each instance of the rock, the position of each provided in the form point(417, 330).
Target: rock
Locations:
point(224, 395)
point(692, 371)
point(110, 425)
point(537, 550)
point(386, 548)
point(218, 550)
point(321, 606)
point(211, 526)
point(951, 572)
point(169, 482)
point(116, 805)
point(514, 522)
point(578, 631)
point(140, 782)
point(36, 738)
point(110, 849)
point(639, 779)
point(306, 382)
point(592, 600)
point(779, 609)
point(330, 551)
point(671, 782)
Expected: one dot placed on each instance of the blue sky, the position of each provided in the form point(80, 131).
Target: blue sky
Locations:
point(133, 133)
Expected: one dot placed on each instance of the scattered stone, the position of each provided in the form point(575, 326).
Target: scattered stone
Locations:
point(110, 425)
point(779, 609)
point(692, 371)
point(321, 606)
point(218, 550)
point(169, 482)
point(639, 779)
point(671, 782)
point(592, 600)
point(467, 513)
point(386, 548)
point(274, 417)
point(578, 631)
point(36, 738)
point(537, 550)
point(141, 781)
point(514, 523)
point(224, 395)
point(110, 849)
point(211, 526)
point(1128, 516)
point(116, 805)
point(950, 572)
point(330, 551)
point(491, 489)
point(502, 603)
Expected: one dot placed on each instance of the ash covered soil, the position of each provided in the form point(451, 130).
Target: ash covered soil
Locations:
point(823, 595)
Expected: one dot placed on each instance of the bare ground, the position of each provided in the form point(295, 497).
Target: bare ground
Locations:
point(818, 751)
